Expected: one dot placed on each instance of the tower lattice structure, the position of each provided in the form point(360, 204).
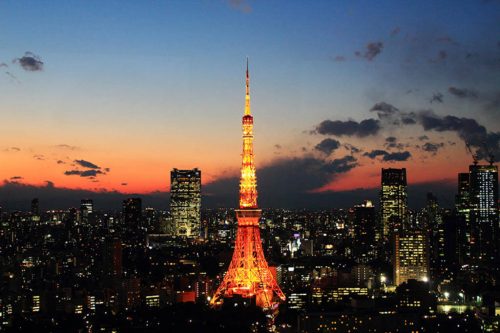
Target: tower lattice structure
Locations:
point(248, 274)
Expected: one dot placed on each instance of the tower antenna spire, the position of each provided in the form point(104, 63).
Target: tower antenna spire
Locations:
point(247, 96)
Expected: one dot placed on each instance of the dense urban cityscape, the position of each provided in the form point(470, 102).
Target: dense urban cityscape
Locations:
point(249, 166)
point(366, 268)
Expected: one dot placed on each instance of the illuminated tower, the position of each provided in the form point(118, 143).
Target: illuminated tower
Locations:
point(248, 274)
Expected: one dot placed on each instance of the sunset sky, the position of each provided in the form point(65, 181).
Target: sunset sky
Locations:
point(111, 95)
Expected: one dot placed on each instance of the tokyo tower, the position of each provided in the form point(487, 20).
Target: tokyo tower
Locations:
point(248, 274)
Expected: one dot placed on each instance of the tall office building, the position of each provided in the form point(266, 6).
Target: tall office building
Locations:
point(483, 191)
point(393, 200)
point(462, 208)
point(185, 202)
point(35, 207)
point(410, 256)
point(86, 210)
point(364, 227)
point(132, 212)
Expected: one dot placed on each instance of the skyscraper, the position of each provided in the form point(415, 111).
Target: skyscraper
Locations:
point(462, 208)
point(249, 275)
point(185, 201)
point(364, 228)
point(483, 191)
point(132, 212)
point(410, 257)
point(393, 200)
point(86, 210)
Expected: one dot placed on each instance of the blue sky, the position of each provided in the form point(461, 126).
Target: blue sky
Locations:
point(145, 86)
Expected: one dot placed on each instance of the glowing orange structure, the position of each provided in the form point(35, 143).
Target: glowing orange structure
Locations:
point(248, 274)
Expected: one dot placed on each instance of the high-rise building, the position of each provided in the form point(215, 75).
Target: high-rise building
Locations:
point(185, 202)
point(410, 257)
point(364, 228)
point(462, 208)
point(483, 191)
point(132, 212)
point(393, 200)
point(249, 275)
point(35, 210)
point(112, 258)
point(86, 210)
point(132, 222)
point(35, 207)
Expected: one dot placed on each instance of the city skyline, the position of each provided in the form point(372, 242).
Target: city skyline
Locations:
point(113, 112)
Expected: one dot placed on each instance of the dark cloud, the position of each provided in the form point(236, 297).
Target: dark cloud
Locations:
point(384, 109)
point(372, 50)
point(436, 98)
point(469, 130)
point(83, 173)
point(391, 142)
point(388, 157)
point(342, 165)
point(60, 162)
point(397, 157)
point(221, 193)
point(30, 62)
point(18, 196)
point(351, 148)
point(3, 64)
point(12, 149)
point(87, 164)
point(375, 153)
point(16, 178)
point(277, 146)
point(423, 137)
point(327, 146)
point(107, 169)
point(432, 147)
point(349, 128)
point(463, 93)
point(39, 157)
point(408, 120)
point(124, 184)
point(391, 139)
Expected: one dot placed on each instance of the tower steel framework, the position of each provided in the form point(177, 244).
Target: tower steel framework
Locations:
point(248, 274)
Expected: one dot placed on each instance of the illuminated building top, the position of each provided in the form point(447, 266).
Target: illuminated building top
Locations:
point(248, 180)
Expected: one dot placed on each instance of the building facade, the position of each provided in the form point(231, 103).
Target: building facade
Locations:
point(185, 202)
point(410, 257)
point(393, 200)
point(483, 191)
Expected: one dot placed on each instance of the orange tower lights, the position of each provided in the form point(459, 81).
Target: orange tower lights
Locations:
point(248, 274)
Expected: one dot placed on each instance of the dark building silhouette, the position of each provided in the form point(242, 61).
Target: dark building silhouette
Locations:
point(364, 228)
point(132, 221)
